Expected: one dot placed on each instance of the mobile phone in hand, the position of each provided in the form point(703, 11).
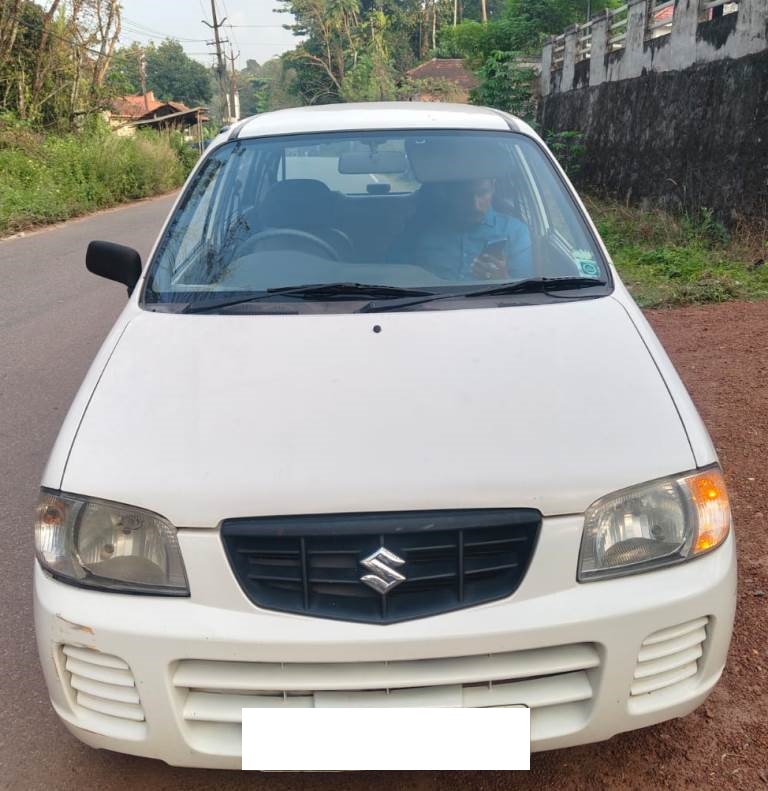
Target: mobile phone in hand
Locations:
point(496, 248)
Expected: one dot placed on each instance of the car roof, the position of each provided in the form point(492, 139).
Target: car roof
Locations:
point(375, 116)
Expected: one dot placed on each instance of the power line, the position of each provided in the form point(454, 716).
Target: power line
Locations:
point(141, 27)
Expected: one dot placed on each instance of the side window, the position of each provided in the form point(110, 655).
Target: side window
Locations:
point(562, 226)
point(185, 243)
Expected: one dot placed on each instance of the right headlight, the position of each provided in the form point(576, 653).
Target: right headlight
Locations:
point(654, 524)
point(109, 546)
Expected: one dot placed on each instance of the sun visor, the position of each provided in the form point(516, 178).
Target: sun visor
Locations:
point(456, 159)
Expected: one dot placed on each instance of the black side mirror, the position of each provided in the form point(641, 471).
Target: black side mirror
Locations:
point(115, 262)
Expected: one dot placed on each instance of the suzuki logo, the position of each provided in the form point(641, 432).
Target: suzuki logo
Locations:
point(384, 576)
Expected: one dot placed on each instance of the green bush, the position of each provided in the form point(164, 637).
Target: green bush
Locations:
point(506, 86)
point(669, 260)
point(46, 178)
point(569, 149)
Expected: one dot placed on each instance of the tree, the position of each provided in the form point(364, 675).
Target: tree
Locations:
point(506, 86)
point(124, 77)
point(54, 57)
point(331, 45)
point(265, 87)
point(520, 27)
point(174, 76)
point(362, 49)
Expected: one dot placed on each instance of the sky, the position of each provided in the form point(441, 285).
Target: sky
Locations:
point(252, 26)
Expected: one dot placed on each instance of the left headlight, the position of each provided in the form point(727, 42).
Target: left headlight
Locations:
point(655, 524)
point(98, 544)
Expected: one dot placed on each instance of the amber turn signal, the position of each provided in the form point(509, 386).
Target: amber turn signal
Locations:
point(710, 499)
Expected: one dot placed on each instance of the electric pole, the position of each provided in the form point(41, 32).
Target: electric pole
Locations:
point(484, 11)
point(143, 78)
point(233, 85)
point(221, 69)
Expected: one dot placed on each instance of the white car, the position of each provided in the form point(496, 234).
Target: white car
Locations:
point(379, 426)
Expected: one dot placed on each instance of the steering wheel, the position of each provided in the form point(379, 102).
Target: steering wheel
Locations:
point(295, 240)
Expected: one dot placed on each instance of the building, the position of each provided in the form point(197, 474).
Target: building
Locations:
point(442, 79)
point(129, 112)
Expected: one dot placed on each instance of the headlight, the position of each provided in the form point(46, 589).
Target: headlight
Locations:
point(108, 546)
point(654, 524)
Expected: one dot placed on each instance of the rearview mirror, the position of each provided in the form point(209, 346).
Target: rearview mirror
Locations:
point(115, 262)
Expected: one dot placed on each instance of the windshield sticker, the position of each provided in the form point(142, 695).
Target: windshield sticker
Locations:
point(585, 261)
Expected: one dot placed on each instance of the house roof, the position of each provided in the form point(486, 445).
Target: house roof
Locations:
point(448, 69)
point(135, 106)
point(141, 105)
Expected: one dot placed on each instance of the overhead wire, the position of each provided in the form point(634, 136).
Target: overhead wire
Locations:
point(140, 26)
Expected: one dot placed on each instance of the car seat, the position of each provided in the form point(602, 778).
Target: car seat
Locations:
point(306, 205)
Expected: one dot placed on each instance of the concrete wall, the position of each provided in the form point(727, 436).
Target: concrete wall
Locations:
point(685, 139)
point(693, 39)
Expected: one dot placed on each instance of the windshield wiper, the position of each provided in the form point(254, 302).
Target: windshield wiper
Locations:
point(313, 291)
point(534, 285)
point(528, 286)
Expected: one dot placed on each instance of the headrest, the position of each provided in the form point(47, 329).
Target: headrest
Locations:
point(299, 203)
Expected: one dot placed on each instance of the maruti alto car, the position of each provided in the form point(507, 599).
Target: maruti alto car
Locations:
point(379, 426)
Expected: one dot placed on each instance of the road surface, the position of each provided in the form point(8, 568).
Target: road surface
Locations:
point(53, 317)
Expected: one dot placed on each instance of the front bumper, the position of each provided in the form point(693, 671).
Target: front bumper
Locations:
point(166, 678)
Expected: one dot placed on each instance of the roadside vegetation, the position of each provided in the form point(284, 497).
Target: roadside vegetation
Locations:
point(666, 260)
point(60, 71)
point(51, 177)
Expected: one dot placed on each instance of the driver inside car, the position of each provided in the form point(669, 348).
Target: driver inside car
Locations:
point(466, 238)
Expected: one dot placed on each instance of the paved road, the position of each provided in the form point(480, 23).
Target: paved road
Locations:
point(53, 316)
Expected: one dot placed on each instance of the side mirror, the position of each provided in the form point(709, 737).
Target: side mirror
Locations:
point(115, 262)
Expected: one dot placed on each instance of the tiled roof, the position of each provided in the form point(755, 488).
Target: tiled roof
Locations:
point(449, 69)
point(134, 107)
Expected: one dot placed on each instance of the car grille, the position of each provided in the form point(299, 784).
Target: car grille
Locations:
point(314, 565)
point(556, 683)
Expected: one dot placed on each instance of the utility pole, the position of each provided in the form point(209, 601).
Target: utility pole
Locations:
point(233, 85)
point(484, 11)
point(221, 69)
point(143, 78)
point(434, 24)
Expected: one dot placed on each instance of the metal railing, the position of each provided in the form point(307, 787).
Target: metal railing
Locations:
point(584, 42)
point(617, 28)
point(659, 22)
point(661, 15)
point(558, 52)
point(714, 8)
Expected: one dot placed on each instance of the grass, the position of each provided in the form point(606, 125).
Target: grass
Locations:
point(47, 178)
point(667, 260)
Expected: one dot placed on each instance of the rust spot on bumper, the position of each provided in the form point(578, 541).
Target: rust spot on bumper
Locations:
point(75, 626)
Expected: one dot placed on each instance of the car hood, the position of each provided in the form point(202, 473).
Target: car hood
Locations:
point(205, 417)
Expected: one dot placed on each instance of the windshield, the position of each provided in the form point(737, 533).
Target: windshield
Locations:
point(410, 213)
